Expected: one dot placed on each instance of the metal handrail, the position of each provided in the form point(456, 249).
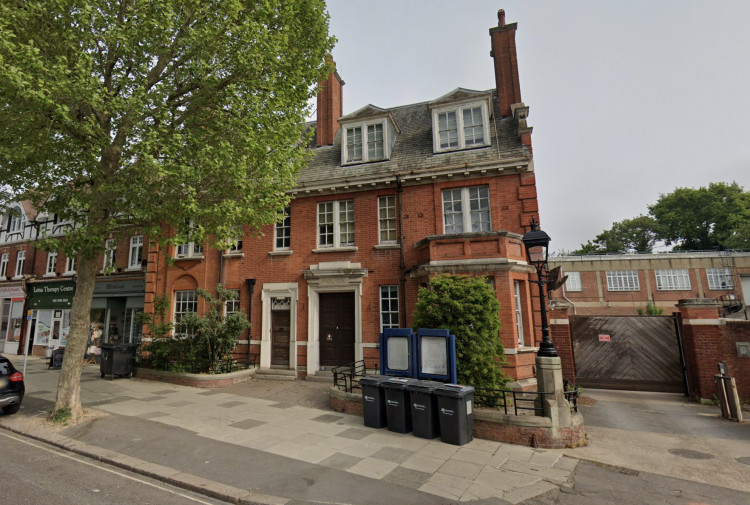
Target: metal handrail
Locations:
point(499, 398)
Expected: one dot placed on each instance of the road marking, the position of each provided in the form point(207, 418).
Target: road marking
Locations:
point(115, 472)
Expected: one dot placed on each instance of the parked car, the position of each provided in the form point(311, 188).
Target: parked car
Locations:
point(11, 387)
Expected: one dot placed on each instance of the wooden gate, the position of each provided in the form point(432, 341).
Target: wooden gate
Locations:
point(638, 353)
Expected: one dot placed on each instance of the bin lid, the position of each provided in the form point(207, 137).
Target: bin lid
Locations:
point(373, 380)
point(397, 382)
point(454, 390)
point(424, 386)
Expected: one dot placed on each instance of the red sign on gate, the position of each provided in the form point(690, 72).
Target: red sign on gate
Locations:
point(603, 338)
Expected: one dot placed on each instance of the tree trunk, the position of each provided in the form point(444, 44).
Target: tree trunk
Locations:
point(69, 385)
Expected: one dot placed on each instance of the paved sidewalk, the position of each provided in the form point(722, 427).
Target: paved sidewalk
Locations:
point(235, 446)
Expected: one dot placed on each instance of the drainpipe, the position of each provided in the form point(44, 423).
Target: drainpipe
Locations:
point(251, 288)
point(400, 231)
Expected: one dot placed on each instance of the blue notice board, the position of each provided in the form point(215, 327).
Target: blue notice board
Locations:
point(436, 355)
point(398, 352)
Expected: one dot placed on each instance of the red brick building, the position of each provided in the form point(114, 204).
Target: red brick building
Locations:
point(390, 198)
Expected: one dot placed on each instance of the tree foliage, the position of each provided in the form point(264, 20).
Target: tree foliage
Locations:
point(468, 307)
point(688, 219)
point(153, 115)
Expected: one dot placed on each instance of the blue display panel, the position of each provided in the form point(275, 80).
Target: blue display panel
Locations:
point(398, 352)
point(436, 355)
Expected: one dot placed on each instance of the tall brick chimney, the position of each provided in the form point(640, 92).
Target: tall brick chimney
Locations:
point(330, 108)
point(506, 64)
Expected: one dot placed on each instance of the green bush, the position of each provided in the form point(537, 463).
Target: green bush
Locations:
point(468, 307)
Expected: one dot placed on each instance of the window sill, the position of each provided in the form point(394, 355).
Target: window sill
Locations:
point(234, 255)
point(190, 258)
point(460, 148)
point(335, 249)
point(16, 278)
point(280, 253)
point(47, 276)
point(387, 246)
point(133, 269)
point(69, 274)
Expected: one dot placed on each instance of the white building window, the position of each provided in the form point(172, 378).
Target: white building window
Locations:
point(466, 209)
point(70, 265)
point(232, 305)
point(20, 261)
point(15, 224)
point(388, 307)
point(51, 263)
point(184, 302)
point(110, 254)
point(136, 252)
point(387, 220)
point(672, 280)
point(574, 281)
point(283, 232)
point(623, 280)
point(336, 224)
point(3, 266)
point(235, 247)
point(364, 142)
point(720, 278)
point(461, 127)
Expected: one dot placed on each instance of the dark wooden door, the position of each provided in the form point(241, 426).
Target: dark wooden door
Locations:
point(336, 328)
point(637, 353)
point(280, 337)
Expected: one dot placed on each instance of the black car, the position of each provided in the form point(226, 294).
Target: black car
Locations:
point(11, 387)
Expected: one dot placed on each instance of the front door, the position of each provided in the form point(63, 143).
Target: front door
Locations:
point(336, 329)
point(280, 338)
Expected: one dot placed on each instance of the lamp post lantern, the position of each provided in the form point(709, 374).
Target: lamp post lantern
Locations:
point(537, 252)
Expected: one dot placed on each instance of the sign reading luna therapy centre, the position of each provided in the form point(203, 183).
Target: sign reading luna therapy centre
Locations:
point(51, 295)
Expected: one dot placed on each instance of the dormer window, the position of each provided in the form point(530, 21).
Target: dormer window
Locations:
point(462, 126)
point(363, 143)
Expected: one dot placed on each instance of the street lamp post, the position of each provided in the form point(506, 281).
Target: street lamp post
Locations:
point(537, 250)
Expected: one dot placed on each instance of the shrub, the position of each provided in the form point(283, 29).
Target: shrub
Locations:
point(468, 307)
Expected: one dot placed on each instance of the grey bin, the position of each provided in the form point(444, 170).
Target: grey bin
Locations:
point(424, 409)
point(117, 359)
point(456, 413)
point(397, 403)
point(373, 401)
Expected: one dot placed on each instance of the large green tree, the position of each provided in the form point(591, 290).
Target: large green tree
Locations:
point(124, 115)
point(688, 219)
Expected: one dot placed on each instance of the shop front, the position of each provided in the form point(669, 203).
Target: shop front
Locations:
point(49, 307)
point(116, 311)
point(12, 299)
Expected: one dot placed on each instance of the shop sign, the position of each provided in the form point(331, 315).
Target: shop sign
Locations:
point(120, 288)
point(12, 292)
point(51, 295)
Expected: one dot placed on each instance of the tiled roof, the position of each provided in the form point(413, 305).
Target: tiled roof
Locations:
point(412, 151)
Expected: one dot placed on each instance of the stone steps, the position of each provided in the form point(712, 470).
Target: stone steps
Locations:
point(275, 374)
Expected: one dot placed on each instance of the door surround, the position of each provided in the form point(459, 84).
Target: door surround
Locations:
point(278, 290)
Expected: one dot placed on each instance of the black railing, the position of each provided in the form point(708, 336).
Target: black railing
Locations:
point(344, 376)
point(511, 401)
point(200, 365)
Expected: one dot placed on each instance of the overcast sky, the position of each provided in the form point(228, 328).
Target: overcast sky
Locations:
point(628, 99)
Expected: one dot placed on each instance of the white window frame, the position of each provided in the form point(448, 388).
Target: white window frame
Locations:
point(465, 211)
point(16, 223)
point(720, 279)
point(389, 294)
point(3, 265)
point(184, 299)
point(623, 280)
point(283, 231)
point(70, 265)
point(518, 309)
point(49, 270)
point(110, 254)
point(337, 224)
point(135, 256)
point(20, 262)
point(677, 279)
point(233, 305)
point(387, 224)
point(189, 250)
point(364, 128)
point(459, 109)
point(574, 281)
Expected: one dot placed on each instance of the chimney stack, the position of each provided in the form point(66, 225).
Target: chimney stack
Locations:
point(330, 108)
point(503, 39)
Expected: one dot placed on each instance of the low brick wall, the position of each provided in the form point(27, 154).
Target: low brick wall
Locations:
point(493, 425)
point(194, 379)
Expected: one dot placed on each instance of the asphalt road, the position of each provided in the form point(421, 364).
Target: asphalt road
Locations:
point(32, 473)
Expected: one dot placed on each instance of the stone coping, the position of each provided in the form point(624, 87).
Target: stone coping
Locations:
point(195, 379)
